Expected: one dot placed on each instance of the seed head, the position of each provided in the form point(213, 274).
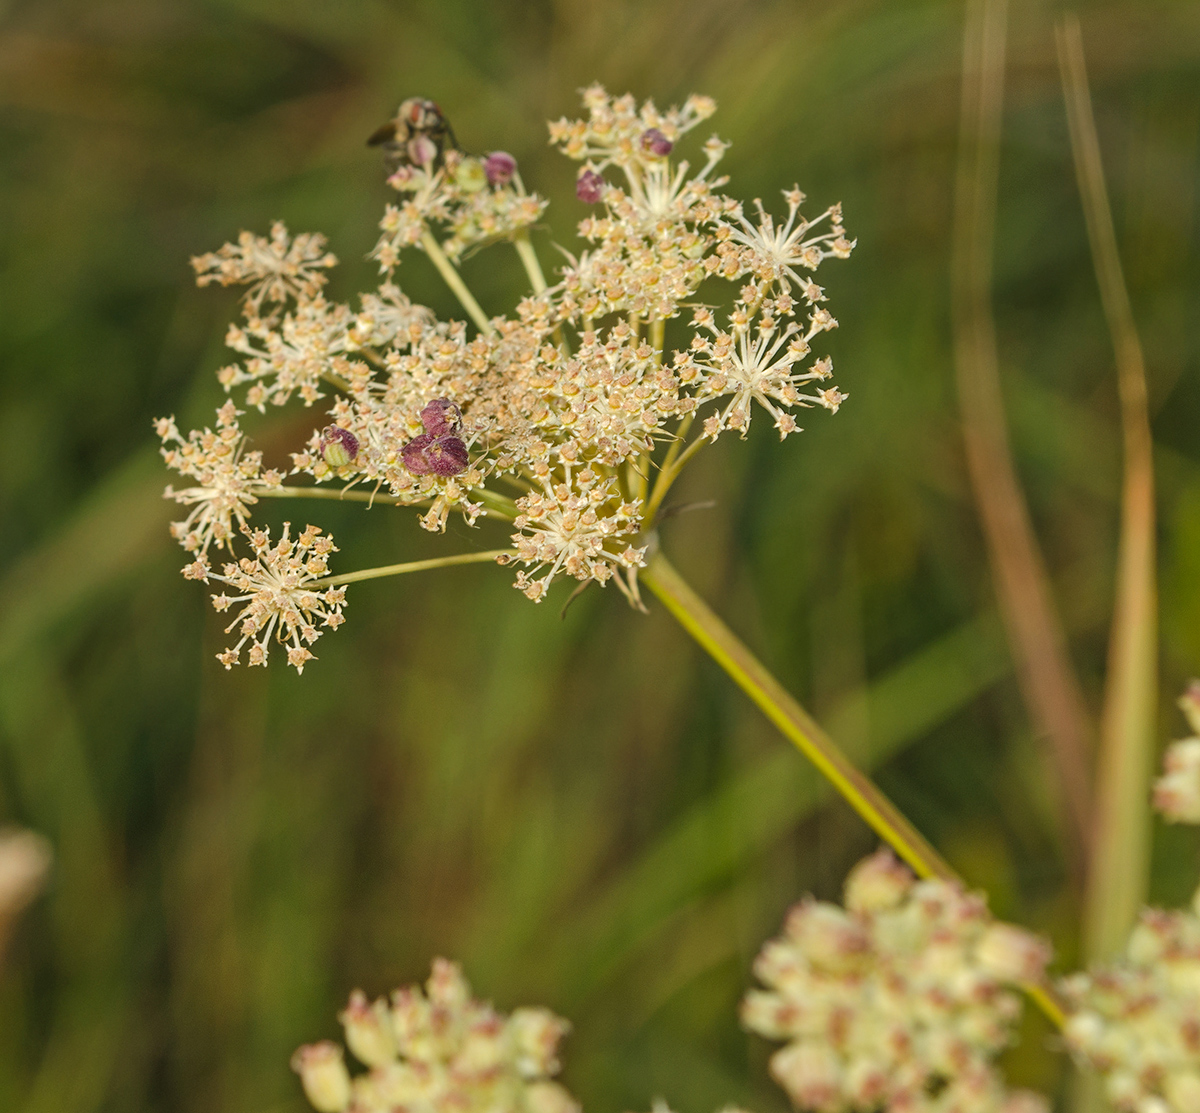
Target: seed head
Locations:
point(589, 186)
point(500, 167)
point(339, 446)
point(655, 143)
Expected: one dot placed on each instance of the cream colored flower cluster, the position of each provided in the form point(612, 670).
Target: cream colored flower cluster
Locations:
point(569, 417)
point(439, 1051)
point(899, 1001)
point(1137, 1022)
point(1177, 791)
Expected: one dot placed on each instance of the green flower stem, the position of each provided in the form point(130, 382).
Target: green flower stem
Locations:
point(699, 620)
point(671, 468)
point(446, 269)
point(412, 566)
point(496, 506)
point(862, 794)
point(529, 260)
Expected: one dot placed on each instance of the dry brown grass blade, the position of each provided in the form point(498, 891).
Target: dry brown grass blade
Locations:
point(1120, 861)
point(1048, 681)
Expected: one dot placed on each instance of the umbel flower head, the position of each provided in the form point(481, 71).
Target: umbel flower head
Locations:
point(568, 417)
point(438, 1051)
point(898, 1001)
point(1136, 1021)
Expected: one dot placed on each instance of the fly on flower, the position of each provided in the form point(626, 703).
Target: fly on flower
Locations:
point(418, 135)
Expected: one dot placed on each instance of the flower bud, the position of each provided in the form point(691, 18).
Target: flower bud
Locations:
point(589, 186)
point(655, 143)
point(1183, 1091)
point(446, 985)
point(323, 1074)
point(811, 1073)
point(422, 150)
point(1189, 704)
point(441, 416)
point(827, 937)
point(500, 167)
point(535, 1034)
point(549, 1097)
point(368, 1030)
point(470, 175)
point(877, 883)
point(1014, 955)
point(339, 446)
point(1177, 792)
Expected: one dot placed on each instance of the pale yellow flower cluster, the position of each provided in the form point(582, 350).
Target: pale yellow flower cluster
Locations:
point(277, 592)
point(276, 270)
point(226, 479)
point(899, 1001)
point(1177, 791)
point(569, 417)
point(1137, 1022)
point(458, 197)
point(438, 1051)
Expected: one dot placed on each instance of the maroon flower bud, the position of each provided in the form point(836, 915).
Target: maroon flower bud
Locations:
point(655, 143)
point(499, 167)
point(441, 416)
point(444, 455)
point(589, 187)
point(338, 446)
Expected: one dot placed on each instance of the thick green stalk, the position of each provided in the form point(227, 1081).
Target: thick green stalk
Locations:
point(1121, 854)
point(699, 620)
point(855, 787)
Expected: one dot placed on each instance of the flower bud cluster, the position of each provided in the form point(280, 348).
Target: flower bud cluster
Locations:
point(477, 201)
point(898, 1001)
point(1137, 1022)
point(438, 1051)
point(1177, 791)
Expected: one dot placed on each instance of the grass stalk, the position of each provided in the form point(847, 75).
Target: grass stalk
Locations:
point(1120, 863)
point(1049, 685)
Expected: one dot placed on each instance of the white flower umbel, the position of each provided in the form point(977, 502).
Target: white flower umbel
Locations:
point(276, 270)
point(226, 475)
point(276, 589)
point(438, 1051)
point(568, 417)
point(899, 1001)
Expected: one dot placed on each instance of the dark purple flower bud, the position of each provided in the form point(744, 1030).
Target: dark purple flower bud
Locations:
point(499, 167)
point(655, 143)
point(429, 455)
point(441, 416)
point(338, 446)
point(589, 187)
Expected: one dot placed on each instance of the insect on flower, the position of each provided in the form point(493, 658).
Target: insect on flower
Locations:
point(418, 135)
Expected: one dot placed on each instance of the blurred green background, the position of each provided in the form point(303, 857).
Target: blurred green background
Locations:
point(585, 812)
